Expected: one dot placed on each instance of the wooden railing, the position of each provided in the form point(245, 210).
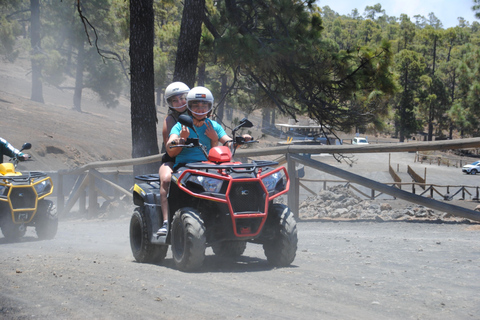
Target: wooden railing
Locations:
point(445, 160)
point(87, 178)
point(85, 187)
point(444, 192)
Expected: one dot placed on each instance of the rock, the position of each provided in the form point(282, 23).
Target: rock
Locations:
point(339, 202)
point(339, 213)
point(385, 207)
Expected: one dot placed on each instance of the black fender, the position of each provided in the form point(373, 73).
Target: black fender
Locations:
point(147, 195)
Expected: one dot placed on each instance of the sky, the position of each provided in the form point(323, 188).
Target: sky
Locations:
point(446, 10)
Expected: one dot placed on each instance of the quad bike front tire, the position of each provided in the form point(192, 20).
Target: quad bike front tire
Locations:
point(282, 249)
point(188, 239)
point(229, 249)
point(11, 231)
point(142, 249)
point(46, 220)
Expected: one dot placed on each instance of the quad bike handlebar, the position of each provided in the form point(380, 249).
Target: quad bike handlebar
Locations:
point(195, 142)
point(16, 159)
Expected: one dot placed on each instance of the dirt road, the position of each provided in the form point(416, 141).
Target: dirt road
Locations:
point(343, 270)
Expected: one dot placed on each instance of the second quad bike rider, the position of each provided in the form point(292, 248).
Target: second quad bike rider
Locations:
point(176, 99)
point(7, 149)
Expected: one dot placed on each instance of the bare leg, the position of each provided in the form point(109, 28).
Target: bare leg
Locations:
point(165, 174)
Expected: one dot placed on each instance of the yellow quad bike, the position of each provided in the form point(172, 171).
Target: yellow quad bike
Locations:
point(23, 202)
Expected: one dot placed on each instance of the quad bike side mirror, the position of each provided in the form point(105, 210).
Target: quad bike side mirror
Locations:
point(26, 146)
point(245, 123)
point(186, 121)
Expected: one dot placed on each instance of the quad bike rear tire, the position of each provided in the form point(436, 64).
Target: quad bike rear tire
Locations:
point(188, 239)
point(46, 220)
point(229, 249)
point(281, 250)
point(143, 250)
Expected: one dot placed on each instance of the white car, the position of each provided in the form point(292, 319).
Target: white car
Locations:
point(472, 168)
point(359, 140)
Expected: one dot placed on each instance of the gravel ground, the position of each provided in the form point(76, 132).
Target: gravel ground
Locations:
point(343, 270)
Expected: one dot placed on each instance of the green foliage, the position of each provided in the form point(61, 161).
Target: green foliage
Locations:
point(359, 70)
point(8, 33)
point(280, 49)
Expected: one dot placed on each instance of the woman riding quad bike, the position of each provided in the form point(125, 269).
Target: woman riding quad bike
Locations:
point(218, 203)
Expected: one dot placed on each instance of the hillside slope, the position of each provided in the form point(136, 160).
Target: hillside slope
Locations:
point(61, 137)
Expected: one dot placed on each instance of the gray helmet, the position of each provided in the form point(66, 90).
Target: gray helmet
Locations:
point(175, 89)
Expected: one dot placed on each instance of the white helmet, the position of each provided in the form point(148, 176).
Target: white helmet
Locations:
point(200, 94)
point(175, 89)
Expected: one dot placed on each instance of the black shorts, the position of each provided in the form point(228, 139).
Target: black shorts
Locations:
point(166, 158)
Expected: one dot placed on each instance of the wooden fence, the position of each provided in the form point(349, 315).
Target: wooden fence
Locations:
point(88, 175)
point(435, 159)
point(87, 179)
point(444, 192)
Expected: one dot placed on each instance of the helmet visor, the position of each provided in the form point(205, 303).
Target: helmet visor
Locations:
point(178, 102)
point(199, 108)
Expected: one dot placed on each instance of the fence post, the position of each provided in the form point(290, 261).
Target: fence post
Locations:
point(82, 201)
point(294, 192)
point(60, 196)
point(92, 196)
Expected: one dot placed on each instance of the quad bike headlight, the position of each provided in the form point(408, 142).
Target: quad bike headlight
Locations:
point(208, 184)
point(43, 187)
point(275, 182)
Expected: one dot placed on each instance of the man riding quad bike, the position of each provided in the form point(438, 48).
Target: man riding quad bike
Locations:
point(23, 201)
point(215, 203)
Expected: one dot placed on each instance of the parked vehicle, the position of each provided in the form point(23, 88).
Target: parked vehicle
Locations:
point(23, 202)
point(359, 140)
point(216, 203)
point(473, 168)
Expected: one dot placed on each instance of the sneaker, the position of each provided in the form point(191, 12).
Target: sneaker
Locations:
point(163, 230)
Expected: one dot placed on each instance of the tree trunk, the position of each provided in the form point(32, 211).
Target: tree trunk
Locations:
point(142, 89)
point(201, 75)
point(430, 131)
point(434, 53)
point(265, 118)
point(221, 106)
point(77, 95)
point(37, 90)
point(189, 42)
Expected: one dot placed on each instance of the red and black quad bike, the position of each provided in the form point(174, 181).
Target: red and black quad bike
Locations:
point(23, 202)
point(217, 203)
